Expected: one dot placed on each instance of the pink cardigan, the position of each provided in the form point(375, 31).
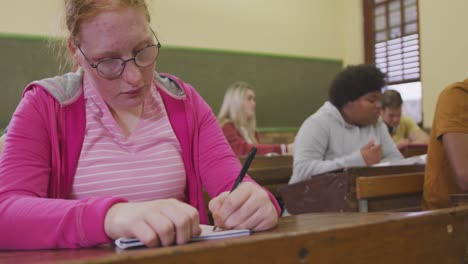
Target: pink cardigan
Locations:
point(41, 154)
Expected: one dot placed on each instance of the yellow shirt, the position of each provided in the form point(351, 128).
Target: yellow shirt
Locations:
point(404, 129)
point(451, 115)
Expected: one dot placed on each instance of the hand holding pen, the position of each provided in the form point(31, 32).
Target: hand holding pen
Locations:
point(243, 171)
point(245, 168)
point(249, 207)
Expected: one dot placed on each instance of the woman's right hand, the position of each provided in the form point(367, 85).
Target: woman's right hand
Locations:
point(155, 223)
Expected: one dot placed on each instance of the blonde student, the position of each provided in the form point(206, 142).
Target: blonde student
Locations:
point(116, 149)
point(238, 121)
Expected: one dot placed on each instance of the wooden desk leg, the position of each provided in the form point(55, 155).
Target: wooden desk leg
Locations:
point(363, 206)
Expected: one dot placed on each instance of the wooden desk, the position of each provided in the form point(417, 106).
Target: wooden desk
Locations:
point(413, 150)
point(459, 199)
point(269, 162)
point(393, 188)
point(277, 137)
point(272, 178)
point(439, 236)
point(272, 173)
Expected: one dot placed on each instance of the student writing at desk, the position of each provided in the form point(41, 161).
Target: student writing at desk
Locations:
point(447, 156)
point(404, 130)
point(346, 130)
point(108, 151)
point(237, 119)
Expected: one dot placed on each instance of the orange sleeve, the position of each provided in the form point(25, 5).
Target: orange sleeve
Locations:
point(452, 112)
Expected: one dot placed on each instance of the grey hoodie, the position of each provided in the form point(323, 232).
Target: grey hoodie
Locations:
point(325, 142)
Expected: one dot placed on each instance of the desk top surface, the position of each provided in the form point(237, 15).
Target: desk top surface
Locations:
point(294, 233)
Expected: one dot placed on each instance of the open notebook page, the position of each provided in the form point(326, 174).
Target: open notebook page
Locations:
point(206, 234)
point(421, 159)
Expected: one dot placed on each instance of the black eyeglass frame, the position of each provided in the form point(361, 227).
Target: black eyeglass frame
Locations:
point(124, 62)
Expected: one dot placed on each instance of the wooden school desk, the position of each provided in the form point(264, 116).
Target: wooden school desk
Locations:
point(413, 150)
point(271, 172)
point(261, 161)
point(358, 189)
point(272, 178)
point(439, 236)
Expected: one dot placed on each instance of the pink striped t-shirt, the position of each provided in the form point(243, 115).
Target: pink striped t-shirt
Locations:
point(146, 165)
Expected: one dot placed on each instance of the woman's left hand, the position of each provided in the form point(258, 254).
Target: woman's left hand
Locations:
point(247, 207)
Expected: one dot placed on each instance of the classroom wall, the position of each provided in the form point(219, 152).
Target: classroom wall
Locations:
point(306, 28)
point(272, 37)
point(353, 30)
point(311, 28)
point(28, 17)
point(444, 45)
point(329, 29)
point(443, 39)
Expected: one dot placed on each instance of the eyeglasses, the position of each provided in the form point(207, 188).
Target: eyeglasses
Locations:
point(111, 68)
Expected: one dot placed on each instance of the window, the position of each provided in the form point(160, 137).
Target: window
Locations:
point(392, 43)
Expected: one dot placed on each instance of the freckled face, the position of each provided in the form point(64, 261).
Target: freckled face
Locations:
point(119, 33)
point(249, 104)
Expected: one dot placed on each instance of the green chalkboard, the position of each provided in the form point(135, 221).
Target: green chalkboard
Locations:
point(22, 60)
point(288, 88)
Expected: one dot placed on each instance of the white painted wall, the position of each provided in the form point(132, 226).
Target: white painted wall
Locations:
point(311, 28)
point(353, 30)
point(306, 28)
point(26, 17)
point(330, 29)
point(444, 49)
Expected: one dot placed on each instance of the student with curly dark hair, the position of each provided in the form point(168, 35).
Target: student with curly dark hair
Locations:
point(346, 130)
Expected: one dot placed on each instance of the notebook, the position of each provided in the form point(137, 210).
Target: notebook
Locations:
point(415, 160)
point(206, 234)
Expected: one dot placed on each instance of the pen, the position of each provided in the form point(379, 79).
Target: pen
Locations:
point(243, 171)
